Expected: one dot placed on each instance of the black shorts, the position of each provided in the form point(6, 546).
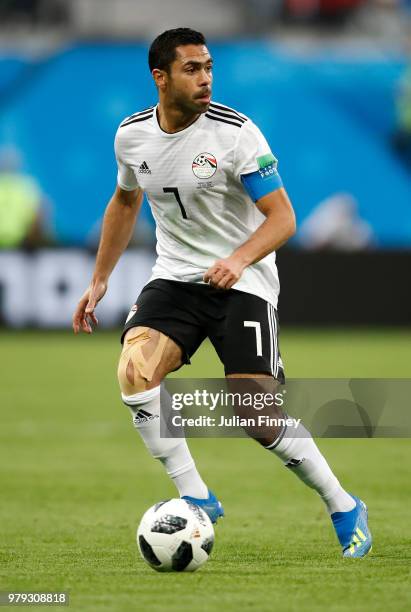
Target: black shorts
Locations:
point(242, 327)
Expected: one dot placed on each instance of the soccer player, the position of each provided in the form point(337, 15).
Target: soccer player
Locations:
point(221, 212)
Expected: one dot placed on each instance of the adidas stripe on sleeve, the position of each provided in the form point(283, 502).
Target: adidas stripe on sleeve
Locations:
point(224, 114)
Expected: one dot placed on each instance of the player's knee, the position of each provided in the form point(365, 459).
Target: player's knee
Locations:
point(143, 349)
point(130, 379)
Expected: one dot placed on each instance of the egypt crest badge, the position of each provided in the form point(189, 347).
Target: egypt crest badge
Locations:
point(204, 166)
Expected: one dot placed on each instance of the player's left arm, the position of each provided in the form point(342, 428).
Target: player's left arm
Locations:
point(279, 225)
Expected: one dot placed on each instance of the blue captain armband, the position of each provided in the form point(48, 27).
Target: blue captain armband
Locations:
point(264, 180)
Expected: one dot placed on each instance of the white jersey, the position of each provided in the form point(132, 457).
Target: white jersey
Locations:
point(192, 179)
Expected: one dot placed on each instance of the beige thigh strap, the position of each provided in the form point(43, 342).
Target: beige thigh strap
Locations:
point(143, 349)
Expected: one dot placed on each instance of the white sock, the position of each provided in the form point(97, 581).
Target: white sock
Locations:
point(173, 453)
point(301, 455)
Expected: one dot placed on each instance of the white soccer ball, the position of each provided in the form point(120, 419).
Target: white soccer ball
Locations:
point(175, 536)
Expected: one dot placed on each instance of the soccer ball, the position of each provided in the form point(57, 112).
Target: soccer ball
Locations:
point(175, 536)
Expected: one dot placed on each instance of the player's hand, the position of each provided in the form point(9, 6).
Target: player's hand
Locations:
point(224, 273)
point(84, 314)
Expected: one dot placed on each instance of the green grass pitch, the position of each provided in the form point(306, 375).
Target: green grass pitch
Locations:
point(75, 479)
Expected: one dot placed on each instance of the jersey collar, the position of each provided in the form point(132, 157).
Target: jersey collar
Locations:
point(180, 133)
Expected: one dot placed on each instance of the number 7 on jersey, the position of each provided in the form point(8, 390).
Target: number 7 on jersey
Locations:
point(174, 190)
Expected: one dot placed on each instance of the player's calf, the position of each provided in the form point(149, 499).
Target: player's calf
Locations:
point(264, 420)
point(147, 357)
point(293, 445)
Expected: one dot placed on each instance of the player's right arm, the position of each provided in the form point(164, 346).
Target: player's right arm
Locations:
point(118, 224)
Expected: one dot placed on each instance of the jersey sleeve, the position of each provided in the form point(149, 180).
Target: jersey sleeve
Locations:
point(254, 163)
point(126, 179)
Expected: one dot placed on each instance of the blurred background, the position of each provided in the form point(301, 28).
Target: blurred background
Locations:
point(327, 81)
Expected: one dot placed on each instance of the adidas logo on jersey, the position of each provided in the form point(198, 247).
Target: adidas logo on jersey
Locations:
point(144, 169)
point(142, 416)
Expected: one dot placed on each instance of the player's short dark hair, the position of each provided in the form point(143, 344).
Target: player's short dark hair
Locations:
point(162, 51)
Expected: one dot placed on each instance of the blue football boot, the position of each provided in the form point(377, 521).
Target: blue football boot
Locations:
point(352, 530)
point(211, 505)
